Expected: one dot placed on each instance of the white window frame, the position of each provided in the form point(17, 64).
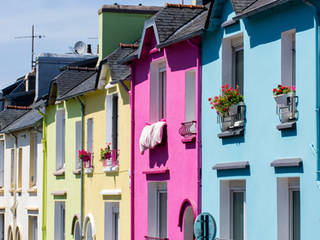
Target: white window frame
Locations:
point(19, 166)
point(2, 149)
point(59, 220)
point(33, 159)
point(12, 169)
point(112, 221)
point(78, 143)
point(229, 47)
point(159, 192)
point(60, 138)
point(158, 91)
point(227, 187)
point(33, 227)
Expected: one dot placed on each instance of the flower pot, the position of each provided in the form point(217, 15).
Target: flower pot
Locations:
point(226, 123)
point(282, 99)
point(233, 110)
point(107, 162)
point(107, 155)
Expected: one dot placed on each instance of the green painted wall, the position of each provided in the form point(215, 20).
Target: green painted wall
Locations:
point(69, 182)
point(118, 27)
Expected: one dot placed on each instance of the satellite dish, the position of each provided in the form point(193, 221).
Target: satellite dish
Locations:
point(79, 47)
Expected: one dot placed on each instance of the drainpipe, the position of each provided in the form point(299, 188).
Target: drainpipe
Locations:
point(44, 175)
point(81, 188)
point(132, 149)
point(198, 47)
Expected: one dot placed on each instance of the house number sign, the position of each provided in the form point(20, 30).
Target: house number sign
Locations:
point(205, 227)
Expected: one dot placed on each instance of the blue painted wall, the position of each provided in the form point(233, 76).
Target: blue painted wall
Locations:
point(262, 142)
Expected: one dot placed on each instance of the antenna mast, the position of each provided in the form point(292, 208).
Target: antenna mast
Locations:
point(33, 36)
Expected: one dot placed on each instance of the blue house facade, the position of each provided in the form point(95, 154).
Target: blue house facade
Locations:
point(260, 167)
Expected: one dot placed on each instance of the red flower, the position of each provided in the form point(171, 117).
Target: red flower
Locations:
point(274, 90)
point(209, 99)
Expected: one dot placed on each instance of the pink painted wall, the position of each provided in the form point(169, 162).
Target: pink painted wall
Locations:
point(181, 159)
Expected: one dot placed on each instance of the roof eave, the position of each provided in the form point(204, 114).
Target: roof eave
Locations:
point(261, 9)
point(183, 38)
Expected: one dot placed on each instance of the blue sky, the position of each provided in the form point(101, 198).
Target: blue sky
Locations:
point(63, 22)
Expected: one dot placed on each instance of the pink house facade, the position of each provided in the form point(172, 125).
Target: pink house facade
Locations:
point(165, 101)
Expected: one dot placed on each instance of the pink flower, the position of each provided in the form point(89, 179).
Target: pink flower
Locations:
point(293, 88)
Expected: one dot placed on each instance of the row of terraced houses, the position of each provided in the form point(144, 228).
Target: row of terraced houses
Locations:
point(158, 149)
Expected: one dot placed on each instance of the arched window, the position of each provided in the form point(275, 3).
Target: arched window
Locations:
point(89, 231)
point(77, 234)
point(10, 234)
point(188, 224)
point(18, 237)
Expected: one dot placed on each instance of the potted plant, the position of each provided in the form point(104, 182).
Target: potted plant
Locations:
point(226, 105)
point(106, 156)
point(86, 158)
point(281, 94)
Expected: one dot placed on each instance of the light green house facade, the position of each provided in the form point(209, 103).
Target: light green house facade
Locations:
point(63, 186)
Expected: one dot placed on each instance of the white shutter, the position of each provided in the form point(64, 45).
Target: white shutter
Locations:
point(109, 111)
point(90, 135)
point(287, 58)
point(190, 96)
point(78, 142)
point(35, 158)
point(1, 163)
point(60, 138)
point(226, 62)
point(107, 220)
point(57, 221)
point(154, 93)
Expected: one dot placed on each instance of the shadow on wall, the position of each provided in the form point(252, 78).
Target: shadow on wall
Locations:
point(159, 155)
point(264, 29)
point(234, 172)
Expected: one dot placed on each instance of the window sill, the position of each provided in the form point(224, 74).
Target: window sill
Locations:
point(111, 169)
point(155, 238)
point(189, 139)
point(59, 193)
point(156, 171)
point(287, 126)
point(77, 171)
point(11, 190)
point(19, 190)
point(32, 189)
point(232, 133)
point(59, 172)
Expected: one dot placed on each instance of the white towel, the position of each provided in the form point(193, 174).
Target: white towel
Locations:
point(151, 136)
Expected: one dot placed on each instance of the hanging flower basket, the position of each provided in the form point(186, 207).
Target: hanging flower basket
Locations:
point(282, 93)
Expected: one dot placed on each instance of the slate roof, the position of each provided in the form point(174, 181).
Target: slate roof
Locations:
point(27, 120)
point(119, 72)
point(249, 7)
point(87, 85)
point(172, 17)
point(8, 116)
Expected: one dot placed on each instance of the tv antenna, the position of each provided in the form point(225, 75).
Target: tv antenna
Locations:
point(33, 36)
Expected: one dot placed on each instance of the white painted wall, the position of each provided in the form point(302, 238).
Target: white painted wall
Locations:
point(25, 200)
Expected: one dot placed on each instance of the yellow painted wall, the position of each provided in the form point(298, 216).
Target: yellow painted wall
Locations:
point(98, 181)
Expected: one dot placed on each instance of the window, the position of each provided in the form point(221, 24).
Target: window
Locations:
point(188, 224)
point(157, 209)
point(59, 220)
point(60, 139)
point(18, 234)
point(10, 233)
point(90, 135)
point(111, 221)
point(288, 204)
point(158, 92)
point(20, 168)
point(233, 62)
point(1, 164)
point(288, 58)
point(89, 231)
point(33, 160)
point(2, 226)
point(12, 173)
point(78, 143)
point(33, 228)
point(77, 234)
point(233, 209)
point(112, 121)
point(190, 96)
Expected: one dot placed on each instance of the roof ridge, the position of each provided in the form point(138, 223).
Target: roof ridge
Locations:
point(184, 6)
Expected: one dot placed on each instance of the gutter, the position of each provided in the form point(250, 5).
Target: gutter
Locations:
point(82, 180)
point(132, 149)
point(44, 176)
point(199, 77)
